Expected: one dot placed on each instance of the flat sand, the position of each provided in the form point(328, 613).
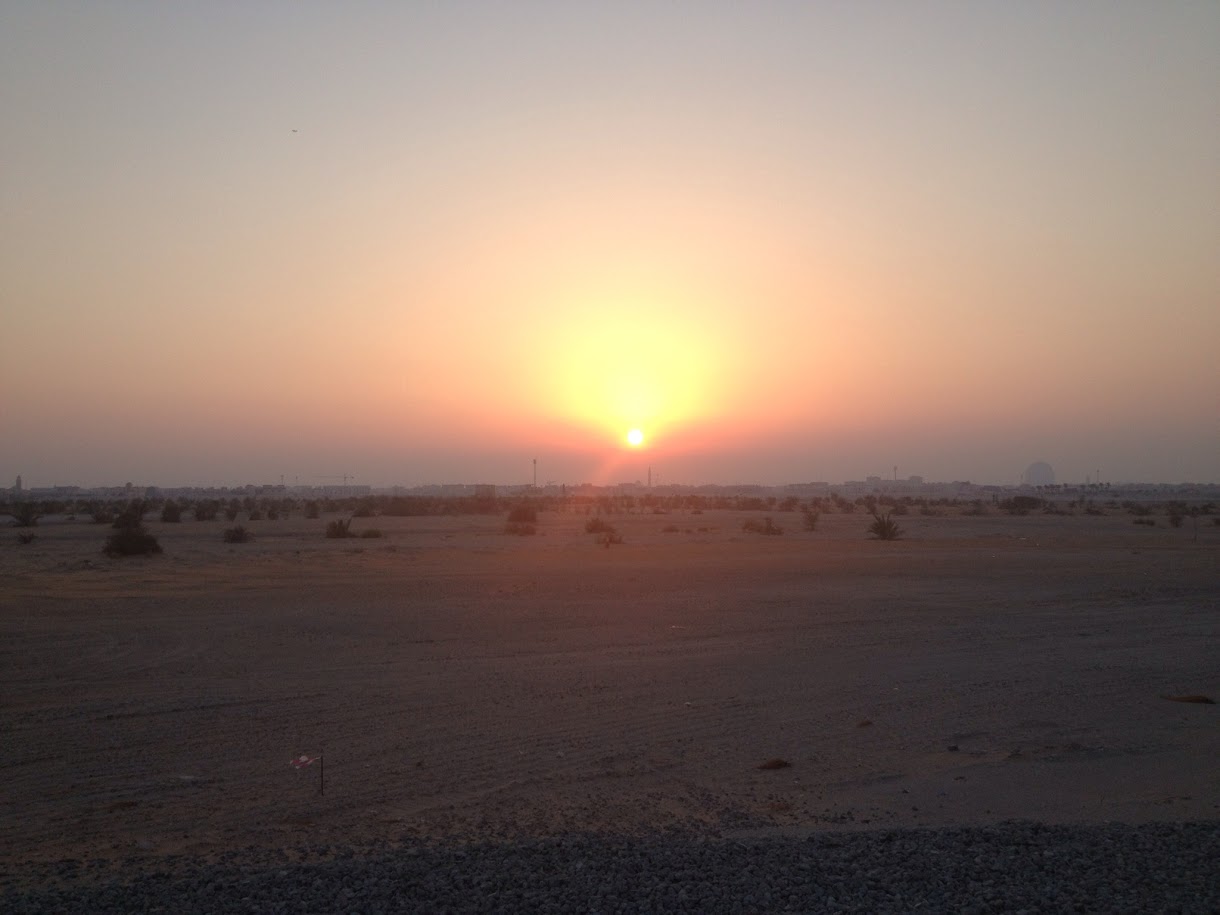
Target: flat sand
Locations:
point(462, 683)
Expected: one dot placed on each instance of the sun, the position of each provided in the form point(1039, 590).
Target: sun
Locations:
point(635, 438)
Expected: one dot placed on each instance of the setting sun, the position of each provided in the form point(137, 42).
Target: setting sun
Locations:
point(635, 438)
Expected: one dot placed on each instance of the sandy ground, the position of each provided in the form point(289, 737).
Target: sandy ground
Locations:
point(463, 682)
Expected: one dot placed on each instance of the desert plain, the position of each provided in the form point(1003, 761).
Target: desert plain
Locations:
point(461, 683)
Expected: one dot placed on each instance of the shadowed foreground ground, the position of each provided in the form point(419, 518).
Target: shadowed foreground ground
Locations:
point(475, 686)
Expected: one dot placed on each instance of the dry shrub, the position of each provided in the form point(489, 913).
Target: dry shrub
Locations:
point(131, 540)
point(338, 529)
point(237, 535)
point(765, 526)
point(523, 514)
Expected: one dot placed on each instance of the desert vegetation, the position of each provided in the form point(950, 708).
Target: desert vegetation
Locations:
point(237, 534)
point(130, 537)
point(338, 529)
point(25, 514)
point(884, 527)
point(765, 526)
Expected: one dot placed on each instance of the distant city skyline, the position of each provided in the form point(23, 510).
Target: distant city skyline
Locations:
point(783, 241)
point(650, 476)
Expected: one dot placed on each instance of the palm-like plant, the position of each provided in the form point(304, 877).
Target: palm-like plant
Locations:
point(884, 527)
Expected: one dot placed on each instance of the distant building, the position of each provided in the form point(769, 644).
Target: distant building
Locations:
point(1038, 473)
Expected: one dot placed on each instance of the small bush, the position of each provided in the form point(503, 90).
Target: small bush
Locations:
point(523, 514)
point(371, 533)
point(1021, 505)
point(311, 510)
point(131, 518)
point(762, 527)
point(338, 529)
point(25, 514)
point(520, 528)
point(598, 526)
point(1175, 519)
point(810, 521)
point(206, 511)
point(1150, 522)
point(363, 510)
point(131, 540)
point(26, 537)
point(884, 527)
point(237, 535)
point(102, 516)
point(171, 512)
point(610, 536)
point(231, 513)
point(256, 515)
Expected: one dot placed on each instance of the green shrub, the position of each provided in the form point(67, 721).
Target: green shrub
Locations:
point(884, 527)
point(237, 535)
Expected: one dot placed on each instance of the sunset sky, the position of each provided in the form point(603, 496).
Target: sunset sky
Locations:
point(431, 242)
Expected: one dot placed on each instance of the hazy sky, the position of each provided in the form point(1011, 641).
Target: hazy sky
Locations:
point(430, 242)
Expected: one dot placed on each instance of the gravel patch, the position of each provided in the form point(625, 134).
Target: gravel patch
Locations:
point(1010, 867)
